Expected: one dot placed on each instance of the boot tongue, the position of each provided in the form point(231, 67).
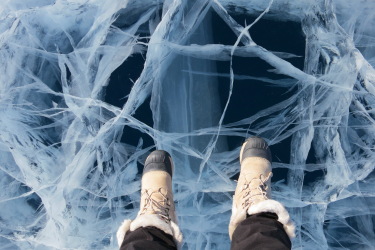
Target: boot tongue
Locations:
point(256, 189)
point(156, 201)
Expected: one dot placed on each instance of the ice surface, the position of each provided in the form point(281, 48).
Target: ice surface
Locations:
point(71, 159)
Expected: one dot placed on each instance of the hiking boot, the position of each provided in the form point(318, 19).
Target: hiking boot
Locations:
point(156, 193)
point(254, 182)
point(253, 191)
point(157, 207)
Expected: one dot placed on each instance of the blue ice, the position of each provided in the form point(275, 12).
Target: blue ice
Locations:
point(70, 159)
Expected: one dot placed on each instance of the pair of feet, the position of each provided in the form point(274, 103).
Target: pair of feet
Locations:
point(253, 186)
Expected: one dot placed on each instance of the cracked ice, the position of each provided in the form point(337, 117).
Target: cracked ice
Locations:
point(71, 156)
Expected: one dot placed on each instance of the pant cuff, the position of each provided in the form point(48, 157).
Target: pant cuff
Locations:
point(272, 206)
point(276, 207)
point(150, 220)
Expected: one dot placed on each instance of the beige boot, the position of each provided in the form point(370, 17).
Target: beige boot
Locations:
point(157, 207)
point(253, 191)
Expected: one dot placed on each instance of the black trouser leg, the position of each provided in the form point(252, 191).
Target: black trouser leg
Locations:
point(260, 231)
point(148, 238)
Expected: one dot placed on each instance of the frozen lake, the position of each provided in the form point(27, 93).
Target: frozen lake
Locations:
point(89, 88)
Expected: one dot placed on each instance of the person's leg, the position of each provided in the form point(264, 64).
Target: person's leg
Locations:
point(260, 231)
point(257, 221)
point(156, 224)
point(148, 238)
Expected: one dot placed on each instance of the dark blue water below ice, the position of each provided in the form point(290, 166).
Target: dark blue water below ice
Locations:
point(249, 96)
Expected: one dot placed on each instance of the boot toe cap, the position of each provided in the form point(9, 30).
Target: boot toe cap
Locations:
point(256, 147)
point(159, 160)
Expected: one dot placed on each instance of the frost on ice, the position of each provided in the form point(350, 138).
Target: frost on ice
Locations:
point(72, 144)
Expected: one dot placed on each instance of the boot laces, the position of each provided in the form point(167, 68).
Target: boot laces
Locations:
point(251, 195)
point(155, 205)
